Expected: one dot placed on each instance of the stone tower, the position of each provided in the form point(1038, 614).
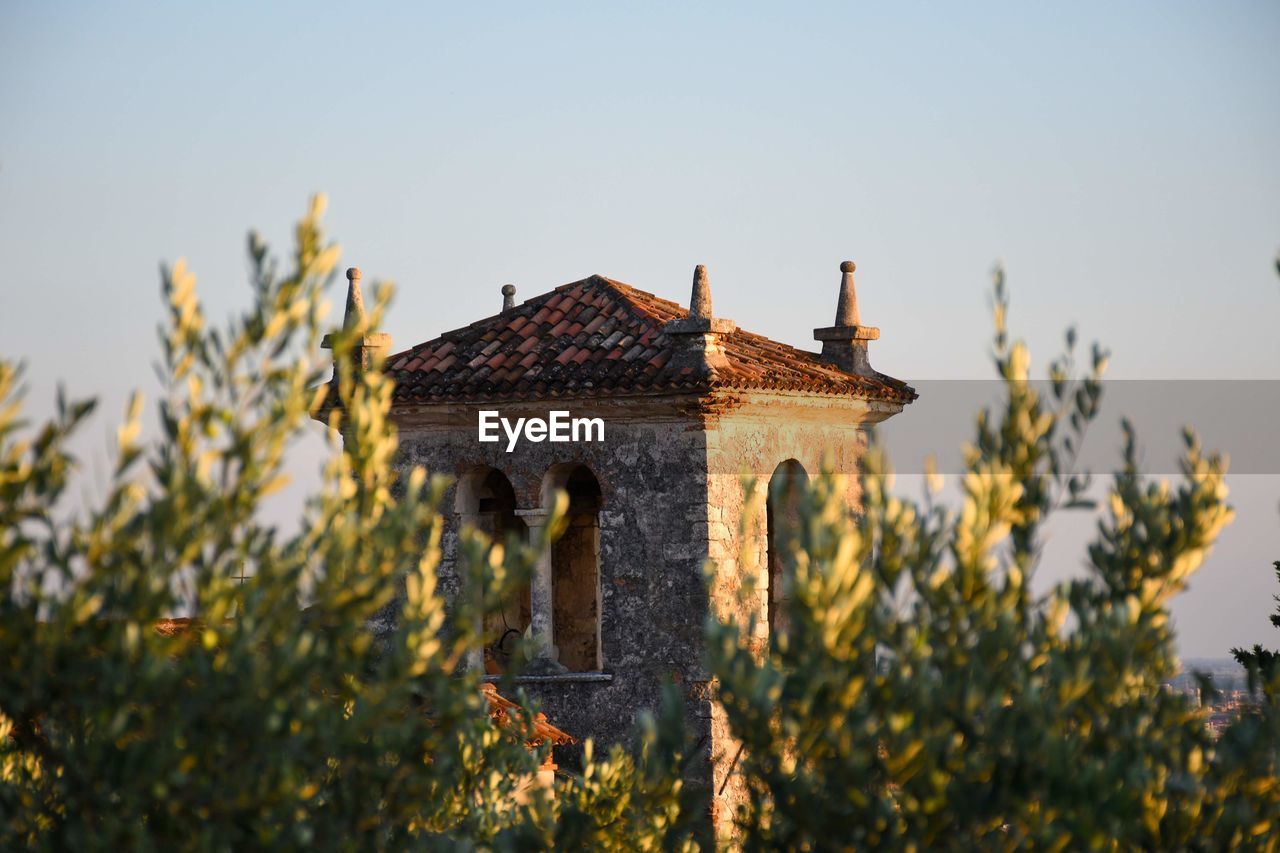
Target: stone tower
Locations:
point(687, 402)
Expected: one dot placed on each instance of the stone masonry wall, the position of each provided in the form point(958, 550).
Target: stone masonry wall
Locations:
point(651, 539)
point(671, 497)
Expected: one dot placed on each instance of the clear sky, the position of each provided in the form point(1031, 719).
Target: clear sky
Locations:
point(1122, 159)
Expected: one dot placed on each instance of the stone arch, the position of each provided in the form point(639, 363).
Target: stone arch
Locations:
point(575, 569)
point(782, 519)
point(486, 499)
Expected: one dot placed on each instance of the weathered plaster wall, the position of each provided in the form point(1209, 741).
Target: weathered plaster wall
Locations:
point(753, 436)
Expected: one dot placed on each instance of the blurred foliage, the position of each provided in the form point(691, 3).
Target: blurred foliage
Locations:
point(273, 721)
point(920, 695)
point(1262, 664)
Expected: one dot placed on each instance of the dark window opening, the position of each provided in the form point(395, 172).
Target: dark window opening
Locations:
point(493, 511)
point(782, 527)
point(575, 573)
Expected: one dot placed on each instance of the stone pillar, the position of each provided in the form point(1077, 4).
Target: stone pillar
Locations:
point(698, 336)
point(473, 595)
point(353, 320)
point(540, 594)
point(845, 343)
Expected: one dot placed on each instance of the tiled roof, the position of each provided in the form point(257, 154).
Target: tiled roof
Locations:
point(502, 710)
point(601, 337)
point(175, 627)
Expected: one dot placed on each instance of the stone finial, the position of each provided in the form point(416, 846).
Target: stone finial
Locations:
point(845, 343)
point(700, 299)
point(697, 336)
point(353, 318)
point(847, 307)
point(508, 297)
point(354, 315)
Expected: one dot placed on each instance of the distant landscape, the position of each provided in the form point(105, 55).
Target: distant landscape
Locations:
point(1227, 675)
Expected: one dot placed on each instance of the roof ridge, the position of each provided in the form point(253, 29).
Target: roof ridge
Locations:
point(619, 288)
point(629, 294)
point(598, 335)
point(532, 301)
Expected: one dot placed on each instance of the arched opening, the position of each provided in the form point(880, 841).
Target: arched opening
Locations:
point(487, 501)
point(575, 572)
point(782, 527)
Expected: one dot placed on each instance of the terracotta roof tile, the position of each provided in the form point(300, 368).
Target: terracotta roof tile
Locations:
point(598, 337)
point(502, 710)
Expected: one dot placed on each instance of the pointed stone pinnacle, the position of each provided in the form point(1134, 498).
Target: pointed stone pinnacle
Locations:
point(354, 314)
point(847, 307)
point(368, 343)
point(845, 343)
point(700, 300)
point(697, 337)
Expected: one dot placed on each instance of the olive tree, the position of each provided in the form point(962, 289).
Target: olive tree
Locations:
point(271, 718)
point(921, 695)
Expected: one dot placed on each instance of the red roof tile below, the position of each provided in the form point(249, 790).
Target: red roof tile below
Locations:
point(502, 709)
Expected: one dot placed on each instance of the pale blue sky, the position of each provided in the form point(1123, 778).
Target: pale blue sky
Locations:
point(1122, 159)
